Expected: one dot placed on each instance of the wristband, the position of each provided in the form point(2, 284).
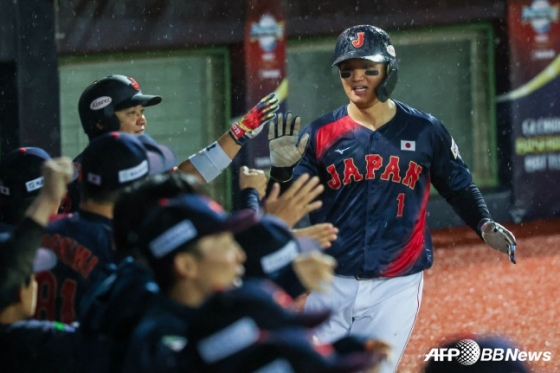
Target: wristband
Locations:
point(210, 162)
point(281, 174)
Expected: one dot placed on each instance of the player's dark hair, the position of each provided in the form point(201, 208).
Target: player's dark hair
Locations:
point(98, 195)
point(138, 199)
point(162, 268)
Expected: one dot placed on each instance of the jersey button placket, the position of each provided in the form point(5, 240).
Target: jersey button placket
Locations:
point(371, 257)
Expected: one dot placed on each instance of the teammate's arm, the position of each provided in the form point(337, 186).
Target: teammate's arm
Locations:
point(57, 173)
point(229, 147)
point(208, 163)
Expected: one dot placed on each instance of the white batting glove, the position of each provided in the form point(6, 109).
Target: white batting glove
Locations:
point(282, 141)
point(499, 238)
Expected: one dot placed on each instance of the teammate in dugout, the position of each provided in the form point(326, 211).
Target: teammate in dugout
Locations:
point(116, 103)
point(83, 241)
point(376, 158)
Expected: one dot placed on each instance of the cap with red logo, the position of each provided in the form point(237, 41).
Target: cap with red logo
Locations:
point(103, 97)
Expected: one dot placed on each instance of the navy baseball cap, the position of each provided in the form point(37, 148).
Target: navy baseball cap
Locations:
point(117, 159)
point(231, 320)
point(20, 173)
point(168, 158)
point(175, 223)
point(271, 246)
point(291, 350)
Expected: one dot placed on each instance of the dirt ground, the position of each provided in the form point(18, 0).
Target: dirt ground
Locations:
point(472, 289)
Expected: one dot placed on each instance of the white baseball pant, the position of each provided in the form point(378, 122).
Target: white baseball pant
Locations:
point(381, 308)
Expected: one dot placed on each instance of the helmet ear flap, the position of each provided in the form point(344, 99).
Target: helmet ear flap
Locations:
point(384, 90)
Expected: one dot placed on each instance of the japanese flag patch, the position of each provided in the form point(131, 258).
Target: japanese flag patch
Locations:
point(455, 149)
point(408, 145)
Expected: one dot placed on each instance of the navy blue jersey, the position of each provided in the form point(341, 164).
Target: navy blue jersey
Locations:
point(39, 346)
point(158, 342)
point(377, 185)
point(82, 243)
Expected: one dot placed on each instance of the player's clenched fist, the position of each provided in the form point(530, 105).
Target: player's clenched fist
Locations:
point(57, 174)
point(252, 123)
point(252, 178)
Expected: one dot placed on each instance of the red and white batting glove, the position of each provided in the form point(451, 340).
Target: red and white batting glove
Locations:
point(253, 122)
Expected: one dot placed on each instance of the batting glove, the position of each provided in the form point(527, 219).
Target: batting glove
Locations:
point(499, 238)
point(252, 123)
point(283, 141)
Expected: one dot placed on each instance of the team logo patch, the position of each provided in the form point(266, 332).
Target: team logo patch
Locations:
point(455, 149)
point(391, 50)
point(94, 179)
point(133, 173)
point(407, 145)
point(134, 84)
point(100, 102)
point(34, 184)
point(359, 41)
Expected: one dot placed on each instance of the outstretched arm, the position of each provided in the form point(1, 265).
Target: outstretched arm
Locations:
point(208, 163)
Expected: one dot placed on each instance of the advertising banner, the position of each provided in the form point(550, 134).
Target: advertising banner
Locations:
point(534, 39)
point(265, 58)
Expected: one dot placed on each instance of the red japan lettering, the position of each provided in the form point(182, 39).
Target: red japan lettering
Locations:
point(412, 174)
point(351, 171)
point(392, 170)
point(334, 183)
point(373, 163)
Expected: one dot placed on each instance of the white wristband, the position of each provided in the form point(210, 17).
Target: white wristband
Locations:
point(210, 161)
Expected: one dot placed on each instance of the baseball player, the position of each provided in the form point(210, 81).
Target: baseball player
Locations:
point(116, 103)
point(31, 345)
point(376, 158)
point(21, 179)
point(83, 241)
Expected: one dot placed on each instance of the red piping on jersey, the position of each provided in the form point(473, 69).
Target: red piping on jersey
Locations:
point(415, 246)
point(328, 134)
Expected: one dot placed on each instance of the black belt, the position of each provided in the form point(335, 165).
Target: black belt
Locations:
point(359, 278)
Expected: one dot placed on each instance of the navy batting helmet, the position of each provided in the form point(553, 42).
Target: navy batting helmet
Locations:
point(373, 44)
point(103, 97)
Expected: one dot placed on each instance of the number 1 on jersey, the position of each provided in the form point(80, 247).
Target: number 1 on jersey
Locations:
point(400, 208)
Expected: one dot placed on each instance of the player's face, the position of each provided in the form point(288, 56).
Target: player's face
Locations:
point(132, 120)
point(220, 263)
point(360, 78)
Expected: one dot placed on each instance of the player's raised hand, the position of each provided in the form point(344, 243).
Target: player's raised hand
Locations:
point(285, 151)
point(253, 178)
point(324, 233)
point(252, 123)
point(297, 201)
point(499, 238)
point(314, 270)
point(57, 173)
